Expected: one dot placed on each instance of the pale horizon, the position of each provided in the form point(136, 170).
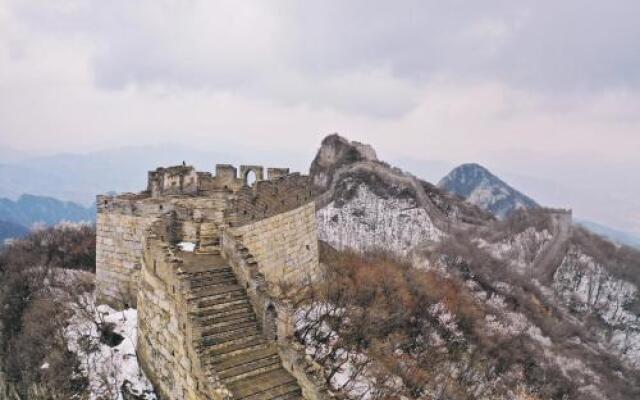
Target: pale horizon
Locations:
point(534, 91)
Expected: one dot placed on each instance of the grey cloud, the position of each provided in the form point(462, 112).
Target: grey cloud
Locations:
point(310, 52)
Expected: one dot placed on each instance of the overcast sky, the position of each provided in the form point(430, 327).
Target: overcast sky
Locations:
point(529, 87)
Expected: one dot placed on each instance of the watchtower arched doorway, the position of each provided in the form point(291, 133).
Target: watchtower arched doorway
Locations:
point(250, 177)
point(271, 323)
point(250, 174)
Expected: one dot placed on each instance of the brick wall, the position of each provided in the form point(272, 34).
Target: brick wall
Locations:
point(269, 198)
point(119, 245)
point(285, 246)
point(165, 331)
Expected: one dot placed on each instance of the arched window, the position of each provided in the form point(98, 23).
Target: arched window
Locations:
point(270, 323)
point(250, 178)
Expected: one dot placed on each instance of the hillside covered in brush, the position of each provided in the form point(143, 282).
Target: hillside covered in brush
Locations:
point(429, 296)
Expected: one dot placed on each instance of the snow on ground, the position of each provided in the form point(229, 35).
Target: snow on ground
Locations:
point(187, 246)
point(108, 368)
point(370, 222)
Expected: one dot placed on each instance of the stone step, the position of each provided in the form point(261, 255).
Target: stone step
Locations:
point(234, 326)
point(215, 292)
point(282, 392)
point(232, 334)
point(203, 287)
point(219, 321)
point(222, 309)
point(207, 251)
point(198, 286)
point(211, 300)
point(209, 245)
point(210, 271)
point(215, 345)
point(248, 370)
point(268, 385)
point(226, 278)
point(210, 355)
point(222, 303)
point(230, 343)
point(240, 359)
point(219, 316)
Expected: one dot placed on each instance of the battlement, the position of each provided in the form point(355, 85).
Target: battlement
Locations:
point(185, 180)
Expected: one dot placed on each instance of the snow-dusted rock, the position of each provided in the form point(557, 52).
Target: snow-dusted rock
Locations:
point(368, 222)
point(588, 287)
point(108, 369)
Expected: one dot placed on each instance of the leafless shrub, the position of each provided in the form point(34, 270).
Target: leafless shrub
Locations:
point(33, 297)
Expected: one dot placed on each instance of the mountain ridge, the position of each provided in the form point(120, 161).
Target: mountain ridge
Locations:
point(477, 185)
point(31, 209)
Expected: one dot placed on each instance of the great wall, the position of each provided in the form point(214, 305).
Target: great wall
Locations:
point(215, 263)
point(216, 319)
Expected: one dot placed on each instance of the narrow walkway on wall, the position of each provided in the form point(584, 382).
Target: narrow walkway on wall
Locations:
point(231, 344)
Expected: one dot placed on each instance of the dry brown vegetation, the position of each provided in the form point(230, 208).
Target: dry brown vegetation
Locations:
point(386, 310)
point(623, 262)
point(34, 356)
point(383, 307)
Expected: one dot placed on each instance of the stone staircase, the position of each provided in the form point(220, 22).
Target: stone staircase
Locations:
point(231, 343)
point(209, 239)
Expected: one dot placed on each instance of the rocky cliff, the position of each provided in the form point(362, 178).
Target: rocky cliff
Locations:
point(366, 204)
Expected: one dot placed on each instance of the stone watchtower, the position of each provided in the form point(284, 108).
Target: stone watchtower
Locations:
point(212, 262)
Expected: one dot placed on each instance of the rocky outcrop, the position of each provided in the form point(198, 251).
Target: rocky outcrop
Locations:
point(368, 221)
point(364, 203)
point(335, 152)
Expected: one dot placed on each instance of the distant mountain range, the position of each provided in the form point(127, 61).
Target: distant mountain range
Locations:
point(80, 177)
point(9, 230)
point(16, 217)
point(480, 187)
point(610, 233)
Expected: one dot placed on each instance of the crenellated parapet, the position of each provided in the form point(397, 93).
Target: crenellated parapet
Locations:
point(185, 180)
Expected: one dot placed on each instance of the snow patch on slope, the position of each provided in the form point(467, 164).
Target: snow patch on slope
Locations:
point(107, 368)
point(369, 222)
